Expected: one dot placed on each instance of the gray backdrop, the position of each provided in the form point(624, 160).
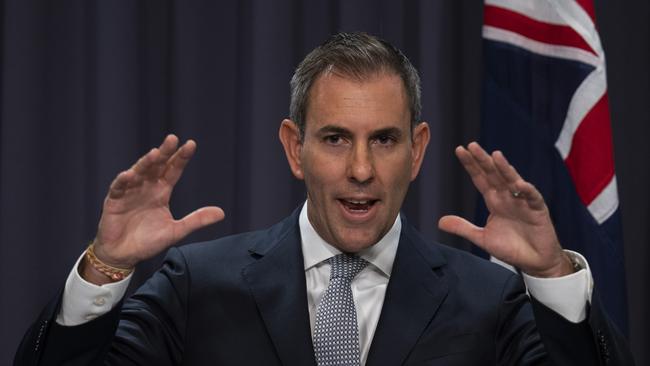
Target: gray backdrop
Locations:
point(88, 86)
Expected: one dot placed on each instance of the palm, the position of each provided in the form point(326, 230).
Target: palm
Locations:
point(136, 222)
point(138, 219)
point(519, 230)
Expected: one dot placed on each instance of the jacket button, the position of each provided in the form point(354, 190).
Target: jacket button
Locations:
point(40, 334)
point(602, 344)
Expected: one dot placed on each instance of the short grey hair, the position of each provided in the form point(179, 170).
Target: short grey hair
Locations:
point(358, 56)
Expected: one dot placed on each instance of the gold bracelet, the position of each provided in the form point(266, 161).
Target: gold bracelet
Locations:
point(114, 273)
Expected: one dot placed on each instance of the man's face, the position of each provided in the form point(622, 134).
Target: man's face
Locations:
point(357, 157)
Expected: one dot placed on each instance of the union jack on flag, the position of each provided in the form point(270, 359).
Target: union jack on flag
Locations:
point(545, 106)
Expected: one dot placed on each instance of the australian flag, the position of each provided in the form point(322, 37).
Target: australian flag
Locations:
point(545, 106)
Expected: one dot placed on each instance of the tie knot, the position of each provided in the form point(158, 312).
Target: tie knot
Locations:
point(346, 266)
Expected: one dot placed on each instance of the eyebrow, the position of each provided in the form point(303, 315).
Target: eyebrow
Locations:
point(344, 131)
point(334, 129)
point(388, 131)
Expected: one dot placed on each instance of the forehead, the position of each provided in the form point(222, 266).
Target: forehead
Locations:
point(377, 101)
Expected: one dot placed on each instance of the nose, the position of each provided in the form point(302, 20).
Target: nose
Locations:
point(360, 165)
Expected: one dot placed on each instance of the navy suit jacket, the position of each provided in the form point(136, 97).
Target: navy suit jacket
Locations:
point(242, 300)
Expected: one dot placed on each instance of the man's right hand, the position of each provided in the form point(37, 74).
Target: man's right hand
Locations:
point(136, 222)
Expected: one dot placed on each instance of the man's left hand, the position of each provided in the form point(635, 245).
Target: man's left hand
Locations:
point(519, 230)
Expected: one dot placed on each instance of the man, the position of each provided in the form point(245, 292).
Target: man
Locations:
point(345, 280)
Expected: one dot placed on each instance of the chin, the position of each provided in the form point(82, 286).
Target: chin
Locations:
point(356, 242)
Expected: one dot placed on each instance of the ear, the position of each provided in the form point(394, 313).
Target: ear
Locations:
point(290, 137)
point(421, 136)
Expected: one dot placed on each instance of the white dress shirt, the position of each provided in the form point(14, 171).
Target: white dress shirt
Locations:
point(568, 295)
point(368, 287)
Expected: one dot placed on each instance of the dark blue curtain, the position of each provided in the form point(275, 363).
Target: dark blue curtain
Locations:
point(87, 86)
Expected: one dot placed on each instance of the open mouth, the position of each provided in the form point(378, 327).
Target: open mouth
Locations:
point(358, 206)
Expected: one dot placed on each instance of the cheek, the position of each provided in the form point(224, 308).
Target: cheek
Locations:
point(320, 177)
point(321, 172)
point(395, 170)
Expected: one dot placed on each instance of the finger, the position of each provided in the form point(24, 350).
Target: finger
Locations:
point(168, 146)
point(197, 219)
point(486, 163)
point(167, 149)
point(459, 226)
point(516, 183)
point(472, 168)
point(508, 172)
point(533, 197)
point(176, 164)
point(120, 184)
point(145, 166)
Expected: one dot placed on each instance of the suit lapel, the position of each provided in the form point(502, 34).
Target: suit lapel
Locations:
point(414, 293)
point(277, 283)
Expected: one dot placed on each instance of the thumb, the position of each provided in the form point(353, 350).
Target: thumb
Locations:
point(198, 219)
point(459, 226)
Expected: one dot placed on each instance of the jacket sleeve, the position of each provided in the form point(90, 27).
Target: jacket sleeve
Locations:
point(517, 340)
point(536, 335)
point(148, 328)
point(595, 341)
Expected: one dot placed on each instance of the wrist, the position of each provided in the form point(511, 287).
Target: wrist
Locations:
point(564, 267)
point(92, 275)
point(108, 257)
point(97, 271)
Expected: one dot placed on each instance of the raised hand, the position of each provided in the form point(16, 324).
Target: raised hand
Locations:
point(136, 222)
point(519, 230)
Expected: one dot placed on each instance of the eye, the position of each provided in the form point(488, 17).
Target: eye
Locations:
point(385, 140)
point(333, 139)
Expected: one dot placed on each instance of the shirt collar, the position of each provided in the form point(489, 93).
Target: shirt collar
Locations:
point(315, 250)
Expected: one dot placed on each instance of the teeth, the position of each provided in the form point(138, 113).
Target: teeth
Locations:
point(359, 202)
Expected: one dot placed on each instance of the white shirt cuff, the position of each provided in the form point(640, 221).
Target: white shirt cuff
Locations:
point(568, 295)
point(84, 301)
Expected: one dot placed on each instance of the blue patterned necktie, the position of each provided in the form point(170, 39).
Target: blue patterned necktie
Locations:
point(336, 335)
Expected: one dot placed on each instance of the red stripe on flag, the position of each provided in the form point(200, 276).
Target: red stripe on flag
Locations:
point(588, 6)
point(560, 35)
point(591, 159)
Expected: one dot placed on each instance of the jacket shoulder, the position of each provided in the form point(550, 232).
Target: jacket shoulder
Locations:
point(461, 261)
point(238, 250)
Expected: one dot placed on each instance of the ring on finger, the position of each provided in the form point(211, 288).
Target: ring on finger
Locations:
point(517, 194)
